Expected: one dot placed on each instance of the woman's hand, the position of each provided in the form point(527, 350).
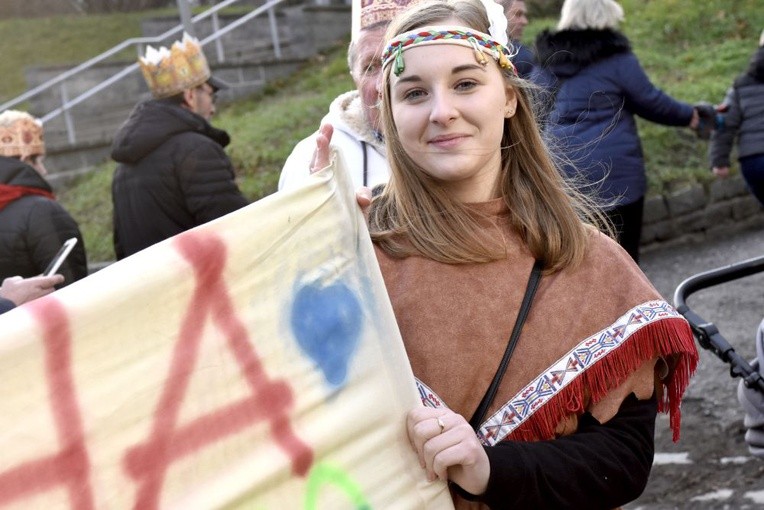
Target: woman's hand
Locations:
point(721, 171)
point(448, 448)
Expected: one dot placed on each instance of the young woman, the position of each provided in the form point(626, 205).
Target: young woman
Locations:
point(474, 206)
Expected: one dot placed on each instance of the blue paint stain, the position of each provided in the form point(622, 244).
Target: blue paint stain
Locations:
point(327, 323)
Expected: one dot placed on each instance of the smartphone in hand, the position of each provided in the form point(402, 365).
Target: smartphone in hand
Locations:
point(64, 252)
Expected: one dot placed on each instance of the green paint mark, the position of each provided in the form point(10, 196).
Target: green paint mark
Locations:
point(325, 474)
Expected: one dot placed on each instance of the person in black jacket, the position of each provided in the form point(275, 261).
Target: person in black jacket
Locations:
point(173, 173)
point(33, 225)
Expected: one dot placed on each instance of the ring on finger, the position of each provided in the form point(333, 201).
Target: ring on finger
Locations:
point(441, 425)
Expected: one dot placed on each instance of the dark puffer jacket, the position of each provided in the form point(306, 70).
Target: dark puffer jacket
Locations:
point(745, 117)
point(173, 175)
point(33, 228)
point(598, 87)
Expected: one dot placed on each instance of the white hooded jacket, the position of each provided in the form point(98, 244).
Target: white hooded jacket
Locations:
point(352, 137)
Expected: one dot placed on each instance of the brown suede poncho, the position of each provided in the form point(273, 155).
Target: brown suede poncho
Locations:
point(594, 335)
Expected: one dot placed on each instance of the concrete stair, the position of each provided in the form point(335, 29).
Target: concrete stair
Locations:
point(245, 59)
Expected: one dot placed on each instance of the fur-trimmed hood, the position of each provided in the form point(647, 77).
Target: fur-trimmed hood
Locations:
point(566, 52)
point(346, 113)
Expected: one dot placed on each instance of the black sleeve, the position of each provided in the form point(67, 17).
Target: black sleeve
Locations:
point(599, 466)
point(208, 182)
point(6, 305)
point(49, 226)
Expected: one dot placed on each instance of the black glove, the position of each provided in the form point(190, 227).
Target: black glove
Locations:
point(706, 120)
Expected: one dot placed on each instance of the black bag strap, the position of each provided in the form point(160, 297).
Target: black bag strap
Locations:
point(525, 306)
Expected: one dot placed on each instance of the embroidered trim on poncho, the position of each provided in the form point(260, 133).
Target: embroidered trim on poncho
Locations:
point(648, 330)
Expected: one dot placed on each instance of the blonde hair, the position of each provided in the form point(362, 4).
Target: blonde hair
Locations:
point(414, 216)
point(590, 14)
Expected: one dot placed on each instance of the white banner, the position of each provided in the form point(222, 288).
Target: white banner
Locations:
point(253, 362)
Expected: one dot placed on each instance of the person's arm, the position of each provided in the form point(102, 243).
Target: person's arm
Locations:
point(297, 166)
point(320, 158)
point(648, 101)
point(720, 147)
point(208, 183)
point(599, 466)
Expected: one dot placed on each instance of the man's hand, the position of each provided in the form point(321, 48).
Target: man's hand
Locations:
point(320, 157)
point(20, 290)
point(320, 160)
point(721, 171)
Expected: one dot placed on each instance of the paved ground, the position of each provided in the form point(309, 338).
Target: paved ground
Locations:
point(710, 466)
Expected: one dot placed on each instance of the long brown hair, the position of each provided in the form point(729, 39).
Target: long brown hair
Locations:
point(414, 216)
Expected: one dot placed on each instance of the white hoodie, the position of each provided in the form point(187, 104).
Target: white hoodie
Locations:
point(347, 117)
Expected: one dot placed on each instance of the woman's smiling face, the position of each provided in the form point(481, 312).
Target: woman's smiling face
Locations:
point(449, 111)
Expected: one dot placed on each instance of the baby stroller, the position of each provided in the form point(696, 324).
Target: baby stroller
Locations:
point(751, 387)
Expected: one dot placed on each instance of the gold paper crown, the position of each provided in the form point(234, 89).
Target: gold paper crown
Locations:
point(170, 72)
point(20, 135)
point(369, 12)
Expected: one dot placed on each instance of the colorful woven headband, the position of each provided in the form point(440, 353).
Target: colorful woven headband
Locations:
point(482, 44)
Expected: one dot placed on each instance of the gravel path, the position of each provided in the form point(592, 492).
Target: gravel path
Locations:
point(710, 466)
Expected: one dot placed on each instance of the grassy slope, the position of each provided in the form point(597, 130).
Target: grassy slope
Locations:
point(65, 40)
point(693, 50)
point(58, 40)
point(690, 49)
point(264, 129)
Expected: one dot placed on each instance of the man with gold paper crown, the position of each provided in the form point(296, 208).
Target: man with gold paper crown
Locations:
point(354, 114)
point(173, 173)
point(33, 225)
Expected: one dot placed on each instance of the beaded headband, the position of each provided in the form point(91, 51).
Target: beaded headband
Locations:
point(482, 44)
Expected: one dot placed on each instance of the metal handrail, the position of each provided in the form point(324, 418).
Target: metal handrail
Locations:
point(106, 54)
point(215, 36)
point(86, 95)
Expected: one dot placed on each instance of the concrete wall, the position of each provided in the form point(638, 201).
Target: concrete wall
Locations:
point(700, 212)
point(247, 42)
